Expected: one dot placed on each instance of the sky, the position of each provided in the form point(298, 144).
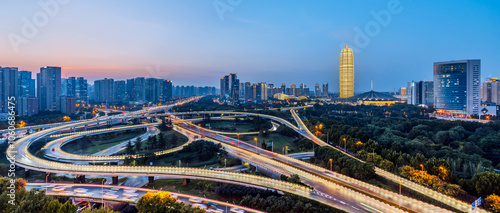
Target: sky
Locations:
point(197, 42)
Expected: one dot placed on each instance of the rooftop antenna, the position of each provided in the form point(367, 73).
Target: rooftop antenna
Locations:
point(372, 85)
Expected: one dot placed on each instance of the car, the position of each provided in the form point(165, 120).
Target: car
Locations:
point(194, 200)
point(115, 188)
point(80, 190)
point(215, 209)
point(130, 194)
point(235, 209)
point(208, 203)
point(57, 189)
point(130, 190)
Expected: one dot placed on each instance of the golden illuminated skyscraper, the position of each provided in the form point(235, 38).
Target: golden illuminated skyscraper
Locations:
point(346, 73)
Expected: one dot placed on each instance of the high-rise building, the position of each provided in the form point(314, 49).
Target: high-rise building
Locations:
point(167, 90)
point(104, 91)
point(118, 88)
point(130, 90)
point(28, 105)
point(230, 88)
point(48, 87)
point(248, 91)
point(491, 91)
point(234, 87)
point(8, 87)
point(66, 104)
point(420, 92)
point(81, 93)
point(457, 86)
point(224, 88)
point(26, 84)
point(325, 89)
point(68, 86)
point(317, 90)
point(346, 74)
point(242, 90)
point(282, 88)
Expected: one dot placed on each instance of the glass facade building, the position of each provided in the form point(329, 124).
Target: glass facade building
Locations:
point(346, 74)
point(456, 86)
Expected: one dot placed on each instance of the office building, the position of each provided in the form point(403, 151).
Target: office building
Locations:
point(420, 92)
point(346, 74)
point(28, 105)
point(66, 104)
point(119, 88)
point(224, 88)
point(167, 90)
point(491, 91)
point(282, 89)
point(48, 87)
point(402, 91)
point(81, 87)
point(325, 89)
point(68, 87)
point(457, 86)
point(26, 84)
point(8, 87)
point(317, 90)
point(230, 88)
point(104, 91)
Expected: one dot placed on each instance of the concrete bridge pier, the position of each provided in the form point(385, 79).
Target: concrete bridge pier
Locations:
point(27, 173)
point(151, 180)
point(79, 179)
point(186, 181)
point(114, 180)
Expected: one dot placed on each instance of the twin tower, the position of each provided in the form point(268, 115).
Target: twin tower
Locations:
point(346, 73)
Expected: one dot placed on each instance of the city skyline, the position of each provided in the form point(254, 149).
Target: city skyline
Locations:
point(274, 51)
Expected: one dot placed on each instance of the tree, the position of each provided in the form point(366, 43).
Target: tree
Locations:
point(159, 202)
point(100, 210)
point(138, 144)
point(67, 208)
point(129, 149)
point(162, 142)
point(494, 201)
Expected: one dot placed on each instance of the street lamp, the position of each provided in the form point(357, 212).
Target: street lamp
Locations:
point(331, 164)
point(102, 193)
point(255, 139)
point(345, 144)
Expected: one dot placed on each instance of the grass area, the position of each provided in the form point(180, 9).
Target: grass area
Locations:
point(83, 147)
point(181, 138)
point(231, 126)
point(279, 140)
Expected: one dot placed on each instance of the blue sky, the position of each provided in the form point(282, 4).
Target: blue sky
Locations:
point(263, 41)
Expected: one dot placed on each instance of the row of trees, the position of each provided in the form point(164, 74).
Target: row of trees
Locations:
point(163, 202)
point(448, 156)
point(331, 158)
point(286, 203)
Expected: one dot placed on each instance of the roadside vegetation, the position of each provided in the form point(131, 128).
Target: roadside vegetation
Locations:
point(457, 158)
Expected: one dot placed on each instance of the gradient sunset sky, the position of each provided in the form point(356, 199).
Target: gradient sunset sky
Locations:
point(263, 41)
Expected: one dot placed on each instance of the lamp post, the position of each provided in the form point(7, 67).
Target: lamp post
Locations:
point(255, 139)
point(102, 193)
point(345, 144)
point(331, 164)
